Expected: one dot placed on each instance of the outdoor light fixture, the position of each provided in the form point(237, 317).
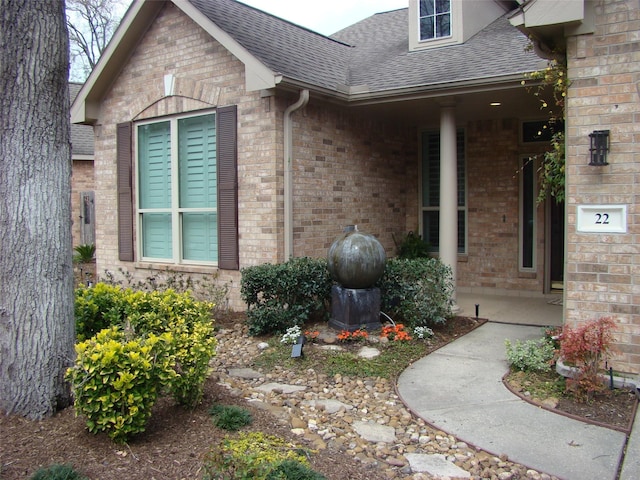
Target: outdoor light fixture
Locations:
point(599, 147)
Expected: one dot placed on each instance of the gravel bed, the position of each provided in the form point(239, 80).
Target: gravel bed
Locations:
point(368, 400)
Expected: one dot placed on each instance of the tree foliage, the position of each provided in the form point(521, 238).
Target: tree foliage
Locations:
point(91, 24)
point(550, 86)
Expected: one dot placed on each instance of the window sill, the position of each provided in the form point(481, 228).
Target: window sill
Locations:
point(172, 267)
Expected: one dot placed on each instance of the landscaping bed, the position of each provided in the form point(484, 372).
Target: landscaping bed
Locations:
point(177, 440)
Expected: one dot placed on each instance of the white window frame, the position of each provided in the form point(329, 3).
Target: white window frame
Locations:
point(175, 210)
point(455, 37)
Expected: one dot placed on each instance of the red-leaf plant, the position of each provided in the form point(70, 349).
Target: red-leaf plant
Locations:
point(586, 347)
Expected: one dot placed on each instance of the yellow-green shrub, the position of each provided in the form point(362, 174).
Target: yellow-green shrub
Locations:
point(116, 380)
point(250, 456)
point(137, 320)
point(97, 308)
point(192, 329)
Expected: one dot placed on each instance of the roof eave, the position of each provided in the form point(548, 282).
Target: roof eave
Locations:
point(357, 96)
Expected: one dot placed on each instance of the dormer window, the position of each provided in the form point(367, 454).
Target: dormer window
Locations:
point(435, 19)
point(440, 23)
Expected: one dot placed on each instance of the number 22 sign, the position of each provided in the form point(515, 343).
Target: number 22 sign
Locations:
point(602, 218)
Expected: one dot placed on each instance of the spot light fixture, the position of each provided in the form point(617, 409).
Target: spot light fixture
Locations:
point(599, 147)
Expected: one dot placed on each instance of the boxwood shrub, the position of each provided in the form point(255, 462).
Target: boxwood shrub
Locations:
point(417, 291)
point(280, 296)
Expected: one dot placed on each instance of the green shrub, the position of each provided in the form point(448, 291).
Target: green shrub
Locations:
point(84, 253)
point(530, 356)
point(57, 472)
point(250, 456)
point(418, 291)
point(192, 329)
point(230, 417)
point(116, 380)
point(412, 246)
point(280, 296)
point(293, 470)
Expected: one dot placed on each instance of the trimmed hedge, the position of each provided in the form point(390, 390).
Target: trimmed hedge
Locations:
point(419, 291)
point(280, 296)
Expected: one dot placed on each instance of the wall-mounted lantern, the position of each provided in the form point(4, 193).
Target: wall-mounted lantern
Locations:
point(599, 147)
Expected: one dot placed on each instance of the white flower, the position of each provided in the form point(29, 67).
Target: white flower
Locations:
point(291, 336)
point(422, 332)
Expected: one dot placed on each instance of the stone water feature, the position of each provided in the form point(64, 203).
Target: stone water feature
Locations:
point(356, 261)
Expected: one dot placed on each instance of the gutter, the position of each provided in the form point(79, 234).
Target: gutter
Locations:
point(288, 172)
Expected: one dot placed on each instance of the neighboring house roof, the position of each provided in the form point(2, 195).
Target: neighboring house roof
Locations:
point(366, 62)
point(81, 135)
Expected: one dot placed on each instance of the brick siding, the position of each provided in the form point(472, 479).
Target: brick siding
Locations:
point(602, 277)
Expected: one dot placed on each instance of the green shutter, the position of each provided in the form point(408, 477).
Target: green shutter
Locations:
point(200, 236)
point(198, 187)
point(154, 180)
point(156, 235)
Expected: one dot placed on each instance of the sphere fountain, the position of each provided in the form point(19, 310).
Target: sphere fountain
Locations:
point(356, 261)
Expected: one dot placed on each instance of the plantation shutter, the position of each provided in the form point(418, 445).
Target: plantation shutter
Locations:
point(125, 191)
point(228, 257)
point(198, 187)
point(154, 168)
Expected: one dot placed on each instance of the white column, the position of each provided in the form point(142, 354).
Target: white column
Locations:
point(448, 191)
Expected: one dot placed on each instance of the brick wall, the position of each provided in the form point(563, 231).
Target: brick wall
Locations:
point(602, 276)
point(351, 171)
point(493, 156)
point(82, 180)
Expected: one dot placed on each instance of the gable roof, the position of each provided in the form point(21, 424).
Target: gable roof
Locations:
point(367, 62)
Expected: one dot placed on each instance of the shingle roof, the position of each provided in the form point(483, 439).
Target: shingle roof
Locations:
point(81, 135)
point(373, 52)
point(382, 60)
point(284, 47)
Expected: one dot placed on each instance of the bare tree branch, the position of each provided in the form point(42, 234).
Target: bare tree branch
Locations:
point(91, 24)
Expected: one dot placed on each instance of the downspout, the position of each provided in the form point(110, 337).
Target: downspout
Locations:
point(288, 173)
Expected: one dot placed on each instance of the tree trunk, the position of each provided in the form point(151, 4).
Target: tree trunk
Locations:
point(36, 275)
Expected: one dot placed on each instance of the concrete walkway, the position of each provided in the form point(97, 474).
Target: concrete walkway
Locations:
point(459, 390)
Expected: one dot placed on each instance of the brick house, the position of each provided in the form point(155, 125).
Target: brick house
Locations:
point(82, 183)
point(273, 138)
